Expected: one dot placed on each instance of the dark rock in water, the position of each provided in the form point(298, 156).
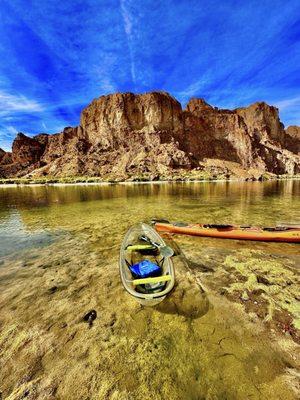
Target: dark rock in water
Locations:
point(90, 317)
point(53, 289)
point(263, 280)
point(199, 266)
point(26, 393)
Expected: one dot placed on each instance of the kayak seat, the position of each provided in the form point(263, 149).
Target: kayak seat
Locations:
point(218, 226)
point(145, 269)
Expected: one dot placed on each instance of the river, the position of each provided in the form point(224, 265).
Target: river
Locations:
point(229, 330)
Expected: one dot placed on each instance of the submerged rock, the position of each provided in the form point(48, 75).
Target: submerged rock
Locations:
point(53, 289)
point(90, 317)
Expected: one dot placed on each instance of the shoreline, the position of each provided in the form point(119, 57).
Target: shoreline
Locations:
point(90, 181)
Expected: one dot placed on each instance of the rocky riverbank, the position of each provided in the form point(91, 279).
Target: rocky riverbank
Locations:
point(195, 176)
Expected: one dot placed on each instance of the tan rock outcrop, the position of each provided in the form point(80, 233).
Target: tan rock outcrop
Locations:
point(214, 133)
point(292, 139)
point(107, 119)
point(262, 122)
point(26, 150)
point(124, 135)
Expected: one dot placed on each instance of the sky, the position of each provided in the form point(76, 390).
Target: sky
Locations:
point(56, 56)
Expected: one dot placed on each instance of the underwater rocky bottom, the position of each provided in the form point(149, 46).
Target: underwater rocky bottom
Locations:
point(229, 329)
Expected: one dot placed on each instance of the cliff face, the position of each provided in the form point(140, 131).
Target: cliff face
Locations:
point(216, 134)
point(106, 119)
point(124, 135)
point(292, 139)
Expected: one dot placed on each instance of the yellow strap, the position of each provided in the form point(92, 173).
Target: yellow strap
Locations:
point(138, 247)
point(163, 278)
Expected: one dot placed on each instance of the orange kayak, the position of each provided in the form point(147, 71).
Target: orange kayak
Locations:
point(289, 234)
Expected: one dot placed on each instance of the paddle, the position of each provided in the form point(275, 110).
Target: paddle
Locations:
point(165, 251)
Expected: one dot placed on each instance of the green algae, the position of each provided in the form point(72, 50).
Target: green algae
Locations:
point(280, 287)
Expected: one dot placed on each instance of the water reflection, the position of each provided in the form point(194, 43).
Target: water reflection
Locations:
point(14, 235)
point(110, 209)
point(39, 196)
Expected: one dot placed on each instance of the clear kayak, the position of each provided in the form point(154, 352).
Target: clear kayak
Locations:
point(146, 268)
point(282, 233)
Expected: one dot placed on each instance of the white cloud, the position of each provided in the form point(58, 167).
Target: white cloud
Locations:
point(11, 130)
point(7, 134)
point(127, 18)
point(288, 103)
point(289, 110)
point(107, 86)
point(5, 144)
point(128, 24)
point(14, 103)
point(192, 90)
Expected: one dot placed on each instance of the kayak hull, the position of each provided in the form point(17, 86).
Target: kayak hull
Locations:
point(288, 235)
point(130, 284)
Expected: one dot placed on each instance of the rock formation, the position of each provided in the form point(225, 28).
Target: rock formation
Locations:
point(123, 136)
point(292, 139)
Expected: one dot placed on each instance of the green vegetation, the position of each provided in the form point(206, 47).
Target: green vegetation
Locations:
point(180, 176)
point(200, 176)
point(48, 180)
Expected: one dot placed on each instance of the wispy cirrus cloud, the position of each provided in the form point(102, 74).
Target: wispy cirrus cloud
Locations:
point(13, 107)
point(11, 130)
point(289, 110)
point(288, 103)
point(128, 28)
point(16, 103)
point(6, 134)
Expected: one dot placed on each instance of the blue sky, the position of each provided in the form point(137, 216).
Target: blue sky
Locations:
point(56, 56)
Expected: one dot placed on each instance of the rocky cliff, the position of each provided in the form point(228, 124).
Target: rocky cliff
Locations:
point(126, 136)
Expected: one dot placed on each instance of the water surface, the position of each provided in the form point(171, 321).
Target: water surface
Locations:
point(227, 331)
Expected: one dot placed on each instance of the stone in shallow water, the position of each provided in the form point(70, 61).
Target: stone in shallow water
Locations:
point(53, 289)
point(90, 317)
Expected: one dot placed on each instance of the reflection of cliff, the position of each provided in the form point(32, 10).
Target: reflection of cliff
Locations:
point(103, 213)
point(125, 135)
point(41, 196)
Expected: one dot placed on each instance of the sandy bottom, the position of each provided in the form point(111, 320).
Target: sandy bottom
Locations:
point(202, 342)
point(229, 330)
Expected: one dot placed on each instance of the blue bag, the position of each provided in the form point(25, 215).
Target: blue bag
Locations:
point(145, 269)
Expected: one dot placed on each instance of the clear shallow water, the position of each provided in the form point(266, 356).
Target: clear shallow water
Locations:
point(59, 258)
point(29, 214)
